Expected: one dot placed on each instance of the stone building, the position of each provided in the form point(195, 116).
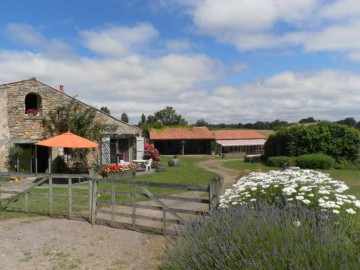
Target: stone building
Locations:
point(19, 128)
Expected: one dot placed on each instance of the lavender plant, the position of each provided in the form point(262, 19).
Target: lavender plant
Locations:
point(258, 235)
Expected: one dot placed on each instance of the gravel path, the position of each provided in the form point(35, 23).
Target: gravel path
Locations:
point(42, 243)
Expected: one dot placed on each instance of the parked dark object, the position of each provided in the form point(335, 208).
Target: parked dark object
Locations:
point(160, 168)
point(174, 162)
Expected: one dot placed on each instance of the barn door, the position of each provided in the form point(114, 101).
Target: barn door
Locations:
point(139, 147)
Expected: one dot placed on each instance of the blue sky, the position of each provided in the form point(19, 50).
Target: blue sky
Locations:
point(232, 61)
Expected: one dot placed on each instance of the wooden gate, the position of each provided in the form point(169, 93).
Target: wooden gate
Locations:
point(136, 205)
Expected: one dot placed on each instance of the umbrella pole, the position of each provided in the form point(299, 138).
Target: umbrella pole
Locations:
point(50, 153)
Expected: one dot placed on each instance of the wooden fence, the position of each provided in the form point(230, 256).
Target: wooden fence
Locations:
point(137, 205)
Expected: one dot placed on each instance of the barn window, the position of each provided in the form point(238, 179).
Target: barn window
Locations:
point(32, 101)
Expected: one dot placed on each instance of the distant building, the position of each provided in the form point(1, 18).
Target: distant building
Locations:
point(239, 142)
point(19, 128)
point(198, 140)
point(182, 140)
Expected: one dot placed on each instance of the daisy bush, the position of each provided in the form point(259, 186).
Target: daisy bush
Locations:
point(311, 189)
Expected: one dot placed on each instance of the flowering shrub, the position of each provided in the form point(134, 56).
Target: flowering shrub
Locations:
point(116, 168)
point(311, 189)
point(151, 152)
point(31, 111)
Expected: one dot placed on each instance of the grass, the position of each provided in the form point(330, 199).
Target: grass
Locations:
point(187, 174)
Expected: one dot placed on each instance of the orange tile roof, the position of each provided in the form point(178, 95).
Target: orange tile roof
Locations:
point(237, 134)
point(181, 133)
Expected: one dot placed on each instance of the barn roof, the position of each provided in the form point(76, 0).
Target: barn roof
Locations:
point(181, 133)
point(237, 135)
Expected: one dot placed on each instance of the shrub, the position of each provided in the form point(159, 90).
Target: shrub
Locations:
point(262, 236)
point(14, 153)
point(280, 161)
point(151, 152)
point(311, 189)
point(315, 161)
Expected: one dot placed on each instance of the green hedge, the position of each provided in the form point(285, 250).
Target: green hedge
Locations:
point(279, 161)
point(315, 161)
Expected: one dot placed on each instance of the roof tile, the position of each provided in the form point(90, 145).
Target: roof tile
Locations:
point(237, 134)
point(181, 133)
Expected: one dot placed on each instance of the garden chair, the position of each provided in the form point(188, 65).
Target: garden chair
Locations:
point(148, 165)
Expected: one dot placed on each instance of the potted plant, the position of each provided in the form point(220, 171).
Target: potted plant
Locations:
point(118, 170)
point(31, 111)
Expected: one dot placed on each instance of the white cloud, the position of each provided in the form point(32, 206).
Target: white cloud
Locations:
point(137, 83)
point(314, 25)
point(25, 34)
point(117, 41)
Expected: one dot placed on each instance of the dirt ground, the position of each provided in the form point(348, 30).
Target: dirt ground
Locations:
point(42, 243)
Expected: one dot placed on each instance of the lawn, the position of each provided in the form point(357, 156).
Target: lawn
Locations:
point(187, 174)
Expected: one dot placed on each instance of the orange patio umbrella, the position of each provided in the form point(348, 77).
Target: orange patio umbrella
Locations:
point(68, 140)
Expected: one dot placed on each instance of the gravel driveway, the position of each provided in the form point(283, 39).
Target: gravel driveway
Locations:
point(41, 243)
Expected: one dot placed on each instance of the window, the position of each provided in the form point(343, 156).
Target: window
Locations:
point(32, 102)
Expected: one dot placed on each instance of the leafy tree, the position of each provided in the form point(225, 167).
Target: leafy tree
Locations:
point(201, 123)
point(349, 121)
point(124, 118)
point(308, 120)
point(143, 120)
point(79, 120)
point(105, 110)
point(168, 117)
point(76, 118)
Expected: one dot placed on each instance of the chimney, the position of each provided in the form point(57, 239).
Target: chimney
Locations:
point(61, 89)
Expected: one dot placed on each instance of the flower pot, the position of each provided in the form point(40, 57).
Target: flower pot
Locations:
point(121, 174)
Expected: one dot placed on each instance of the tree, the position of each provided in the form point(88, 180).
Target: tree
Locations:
point(124, 118)
point(168, 117)
point(105, 110)
point(201, 123)
point(308, 120)
point(143, 120)
point(349, 121)
point(78, 119)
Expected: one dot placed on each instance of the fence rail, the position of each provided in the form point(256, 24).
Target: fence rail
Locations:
point(139, 205)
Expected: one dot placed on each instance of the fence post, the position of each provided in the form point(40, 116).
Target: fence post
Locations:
point(93, 201)
point(69, 197)
point(113, 198)
point(50, 195)
point(215, 191)
point(133, 204)
point(27, 202)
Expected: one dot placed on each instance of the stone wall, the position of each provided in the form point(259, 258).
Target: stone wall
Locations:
point(4, 130)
